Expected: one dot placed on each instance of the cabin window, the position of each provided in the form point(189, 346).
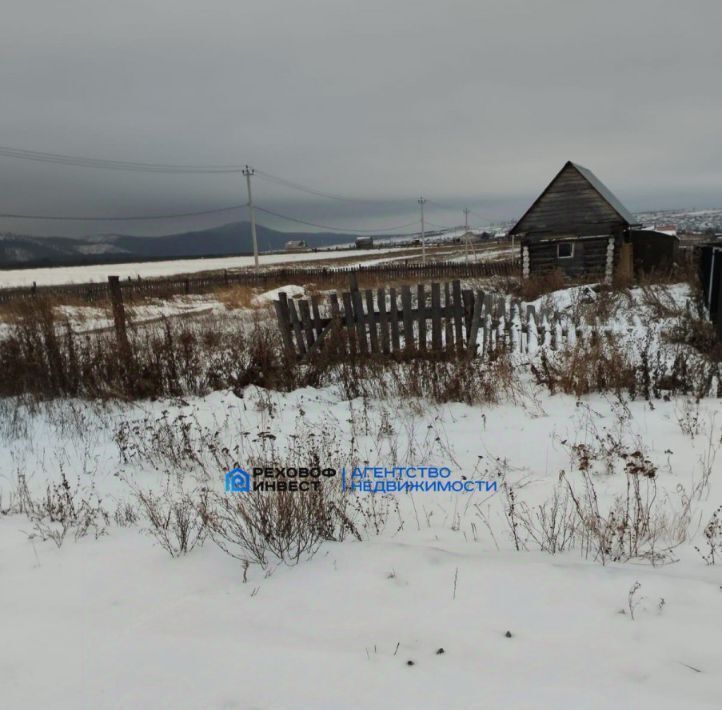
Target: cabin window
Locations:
point(565, 250)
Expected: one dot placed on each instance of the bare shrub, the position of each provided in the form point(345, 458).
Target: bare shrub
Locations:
point(284, 526)
point(125, 515)
point(599, 366)
point(712, 539)
point(633, 526)
point(696, 333)
point(369, 515)
point(551, 525)
point(62, 510)
point(176, 518)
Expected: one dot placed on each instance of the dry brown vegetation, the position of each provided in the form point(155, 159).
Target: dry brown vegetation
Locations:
point(43, 357)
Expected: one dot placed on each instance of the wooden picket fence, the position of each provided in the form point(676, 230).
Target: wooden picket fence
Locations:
point(444, 318)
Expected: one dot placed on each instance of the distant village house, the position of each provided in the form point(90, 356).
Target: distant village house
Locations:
point(296, 245)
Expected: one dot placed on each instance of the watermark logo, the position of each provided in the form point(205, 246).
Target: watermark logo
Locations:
point(282, 479)
point(411, 479)
point(238, 481)
point(369, 479)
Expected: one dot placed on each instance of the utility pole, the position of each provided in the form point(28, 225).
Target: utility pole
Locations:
point(423, 240)
point(248, 172)
point(466, 233)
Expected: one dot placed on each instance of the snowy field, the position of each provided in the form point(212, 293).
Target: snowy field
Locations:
point(115, 622)
point(83, 274)
point(585, 573)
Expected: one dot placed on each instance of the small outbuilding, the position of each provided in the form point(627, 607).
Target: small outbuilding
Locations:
point(364, 242)
point(653, 250)
point(296, 245)
point(579, 227)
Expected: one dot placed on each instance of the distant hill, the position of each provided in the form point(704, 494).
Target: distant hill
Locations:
point(17, 250)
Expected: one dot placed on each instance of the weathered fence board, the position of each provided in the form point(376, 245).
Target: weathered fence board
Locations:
point(383, 320)
point(436, 317)
point(421, 305)
point(466, 322)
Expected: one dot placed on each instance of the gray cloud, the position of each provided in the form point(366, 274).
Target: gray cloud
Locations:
point(469, 102)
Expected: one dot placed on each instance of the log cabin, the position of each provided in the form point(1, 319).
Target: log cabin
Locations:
point(576, 226)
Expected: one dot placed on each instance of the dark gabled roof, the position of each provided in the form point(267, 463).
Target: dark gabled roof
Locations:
point(602, 190)
point(606, 193)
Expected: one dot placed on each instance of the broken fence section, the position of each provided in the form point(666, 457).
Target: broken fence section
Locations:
point(422, 320)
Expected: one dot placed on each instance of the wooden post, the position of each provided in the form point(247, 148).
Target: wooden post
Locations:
point(458, 316)
point(408, 322)
point(448, 318)
point(515, 331)
point(545, 334)
point(335, 310)
point(306, 321)
point(421, 308)
point(436, 317)
point(352, 281)
point(338, 341)
point(571, 334)
point(284, 321)
point(475, 322)
point(532, 334)
point(383, 320)
point(296, 325)
point(487, 342)
point(468, 295)
point(558, 334)
point(489, 304)
point(360, 319)
point(718, 314)
point(394, 316)
point(121, 332)
point(371, 318)
point(625, 267)
point(348, 317)
point(316, 316)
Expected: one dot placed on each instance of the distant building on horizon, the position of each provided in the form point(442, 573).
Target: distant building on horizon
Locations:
point(364, 242)
point(296, 245)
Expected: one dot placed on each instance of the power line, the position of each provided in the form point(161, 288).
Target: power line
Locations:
point(346, 230)
point(447, 206)
point(440, 226)
point(309, 190)
point(105, 164)
point(135, 218)
point(135, 166)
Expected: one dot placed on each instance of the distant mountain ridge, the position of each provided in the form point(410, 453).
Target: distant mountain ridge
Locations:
point(18, 250)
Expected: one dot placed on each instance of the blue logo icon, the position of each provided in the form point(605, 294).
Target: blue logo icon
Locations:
point(238, 481)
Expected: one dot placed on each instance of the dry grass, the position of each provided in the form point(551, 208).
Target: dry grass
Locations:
point(236, 296)
point(600, 366)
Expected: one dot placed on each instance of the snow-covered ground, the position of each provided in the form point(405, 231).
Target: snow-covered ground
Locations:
point(83, 274)
point(498, 598)
point(115, 622)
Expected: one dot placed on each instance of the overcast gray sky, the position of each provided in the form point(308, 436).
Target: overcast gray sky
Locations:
point(472, 102)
